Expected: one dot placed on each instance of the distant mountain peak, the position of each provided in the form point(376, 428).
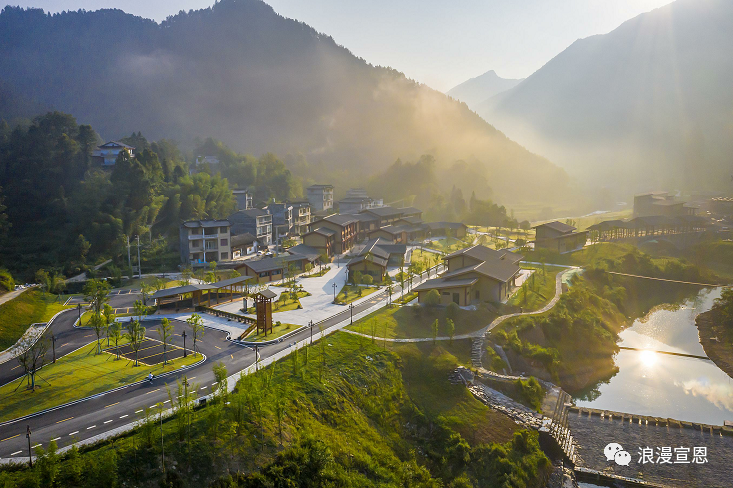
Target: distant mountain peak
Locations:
point(481, 88)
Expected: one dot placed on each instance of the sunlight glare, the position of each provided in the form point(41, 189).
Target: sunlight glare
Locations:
point(648, 358)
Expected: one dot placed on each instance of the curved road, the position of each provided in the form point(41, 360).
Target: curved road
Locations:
point(108, 411)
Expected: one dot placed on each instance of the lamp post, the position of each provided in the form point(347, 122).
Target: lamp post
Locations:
point(53, 345)
point(184, 343)
point(351, 312)
point(28, 436)
point(334, 292)
point(310, 324)
point(78, 308)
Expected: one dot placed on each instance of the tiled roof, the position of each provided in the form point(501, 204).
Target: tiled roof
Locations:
point(557, 226)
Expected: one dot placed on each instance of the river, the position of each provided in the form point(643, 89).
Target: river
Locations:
point(660, 385)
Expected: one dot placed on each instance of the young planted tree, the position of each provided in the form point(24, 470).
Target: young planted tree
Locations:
point(109, 319)
point(31, 356)
point(114, 332)
point(451, 326)
point(165, 331)
point(220, 374)
point(139, 309)
point(145, 291)
point(197, 328)
point(435, 331)
point(98, 325)
point(136, 335)
point(96, 292)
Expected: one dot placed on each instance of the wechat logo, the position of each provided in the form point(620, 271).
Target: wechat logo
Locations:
point(614, 452)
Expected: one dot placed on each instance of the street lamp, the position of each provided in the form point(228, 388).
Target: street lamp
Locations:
point(28, 436)
point(78, 308)
point(53, 344)
point(351, 311)
point(184, 343)
point(310, 324)
point(334, 292)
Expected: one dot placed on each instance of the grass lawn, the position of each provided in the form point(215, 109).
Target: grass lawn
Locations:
point(316, 274)
point(540, 288)
point(407, 298)
point(425, 257)
point(77, 375)
point(350, 293)
point(425, 368)
point(413, 322)
point(277, 331)
point(28, 308)
point(448, 244)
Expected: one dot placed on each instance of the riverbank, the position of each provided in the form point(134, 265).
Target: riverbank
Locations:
point(713, 340)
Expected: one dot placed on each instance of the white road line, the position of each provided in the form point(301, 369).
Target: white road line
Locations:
point(123, 416)
point(213, 384)
point(138, 411)
point(203, 388)
point(56, 439)
point(91, 427)
point(75, 432)
point(16, 452)
point(167, 401)
point(37, 445)
point(107, 421)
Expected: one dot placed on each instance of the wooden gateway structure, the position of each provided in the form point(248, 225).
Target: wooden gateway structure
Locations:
point(263, 306)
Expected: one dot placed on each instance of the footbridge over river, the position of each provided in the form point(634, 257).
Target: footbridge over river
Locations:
point(581, 434)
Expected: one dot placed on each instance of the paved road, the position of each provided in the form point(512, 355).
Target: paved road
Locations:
point(106, 412)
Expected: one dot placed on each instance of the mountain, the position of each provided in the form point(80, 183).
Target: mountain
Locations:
point(259, 82)
point(481, 88)
point(647, 105)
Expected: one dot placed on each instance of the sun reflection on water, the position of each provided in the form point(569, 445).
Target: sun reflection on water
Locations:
point(648, 358)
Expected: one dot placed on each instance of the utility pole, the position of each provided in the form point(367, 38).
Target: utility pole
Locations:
point(139, 263)
point(257, 358)
point(53, 345)
point(351, 310)
point(310, 324)
point(129, 259)
point(184, 343)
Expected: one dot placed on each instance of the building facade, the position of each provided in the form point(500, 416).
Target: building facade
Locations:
point(301, 218)
point(559, 237)
point(107, 153)
point(253, 221)
point(320, 197)
point(205, 241)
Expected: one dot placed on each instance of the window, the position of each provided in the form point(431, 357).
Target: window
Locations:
point(446, 294)
point(224, 242)
point(263, 274)
point(456, 299)
point(225, 255)
point(476, 295)
point(223, 230)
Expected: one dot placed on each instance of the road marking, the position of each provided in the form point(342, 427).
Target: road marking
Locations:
point(167, 401)
point(123, 416)
point(37, 445)
point(192, 378)
point(232, 356)
point(217, 347)
point(8, 438)
point(75, 432)
point(18, 366)
point(90, 335)
point(111, 405)
point(107, 421)
point(138, 411)
point(151, 391)
point(62, 345)
point(56, 439)
point(213, 384)
point(64, 420)
point(203, 388)
point(91, 427)
point(16, 452)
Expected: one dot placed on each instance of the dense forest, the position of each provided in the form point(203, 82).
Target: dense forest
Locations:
point(60, 209)
point(259, 82)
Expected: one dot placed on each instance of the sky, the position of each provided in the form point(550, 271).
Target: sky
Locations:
point(437, 42)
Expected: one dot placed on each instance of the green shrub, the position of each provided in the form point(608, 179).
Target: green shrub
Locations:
point(6, 280)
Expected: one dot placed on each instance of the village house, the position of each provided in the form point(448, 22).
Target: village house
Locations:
point(344, 227)
point(253, 221)
point(276, 268)
point(660, 203)
point(473, 275)
point(322, 239)
point(243, 198)
point(389, 215)
point(374, 258)
point(107, 153)
point(204, 241)
point(301, 217)
point(320, 197)
point(282, 220)
point(245, 245)
point(438, 229)
point(356, 200)
point(559, 237)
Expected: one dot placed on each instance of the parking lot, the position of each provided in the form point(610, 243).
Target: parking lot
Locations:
point(150, 352)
